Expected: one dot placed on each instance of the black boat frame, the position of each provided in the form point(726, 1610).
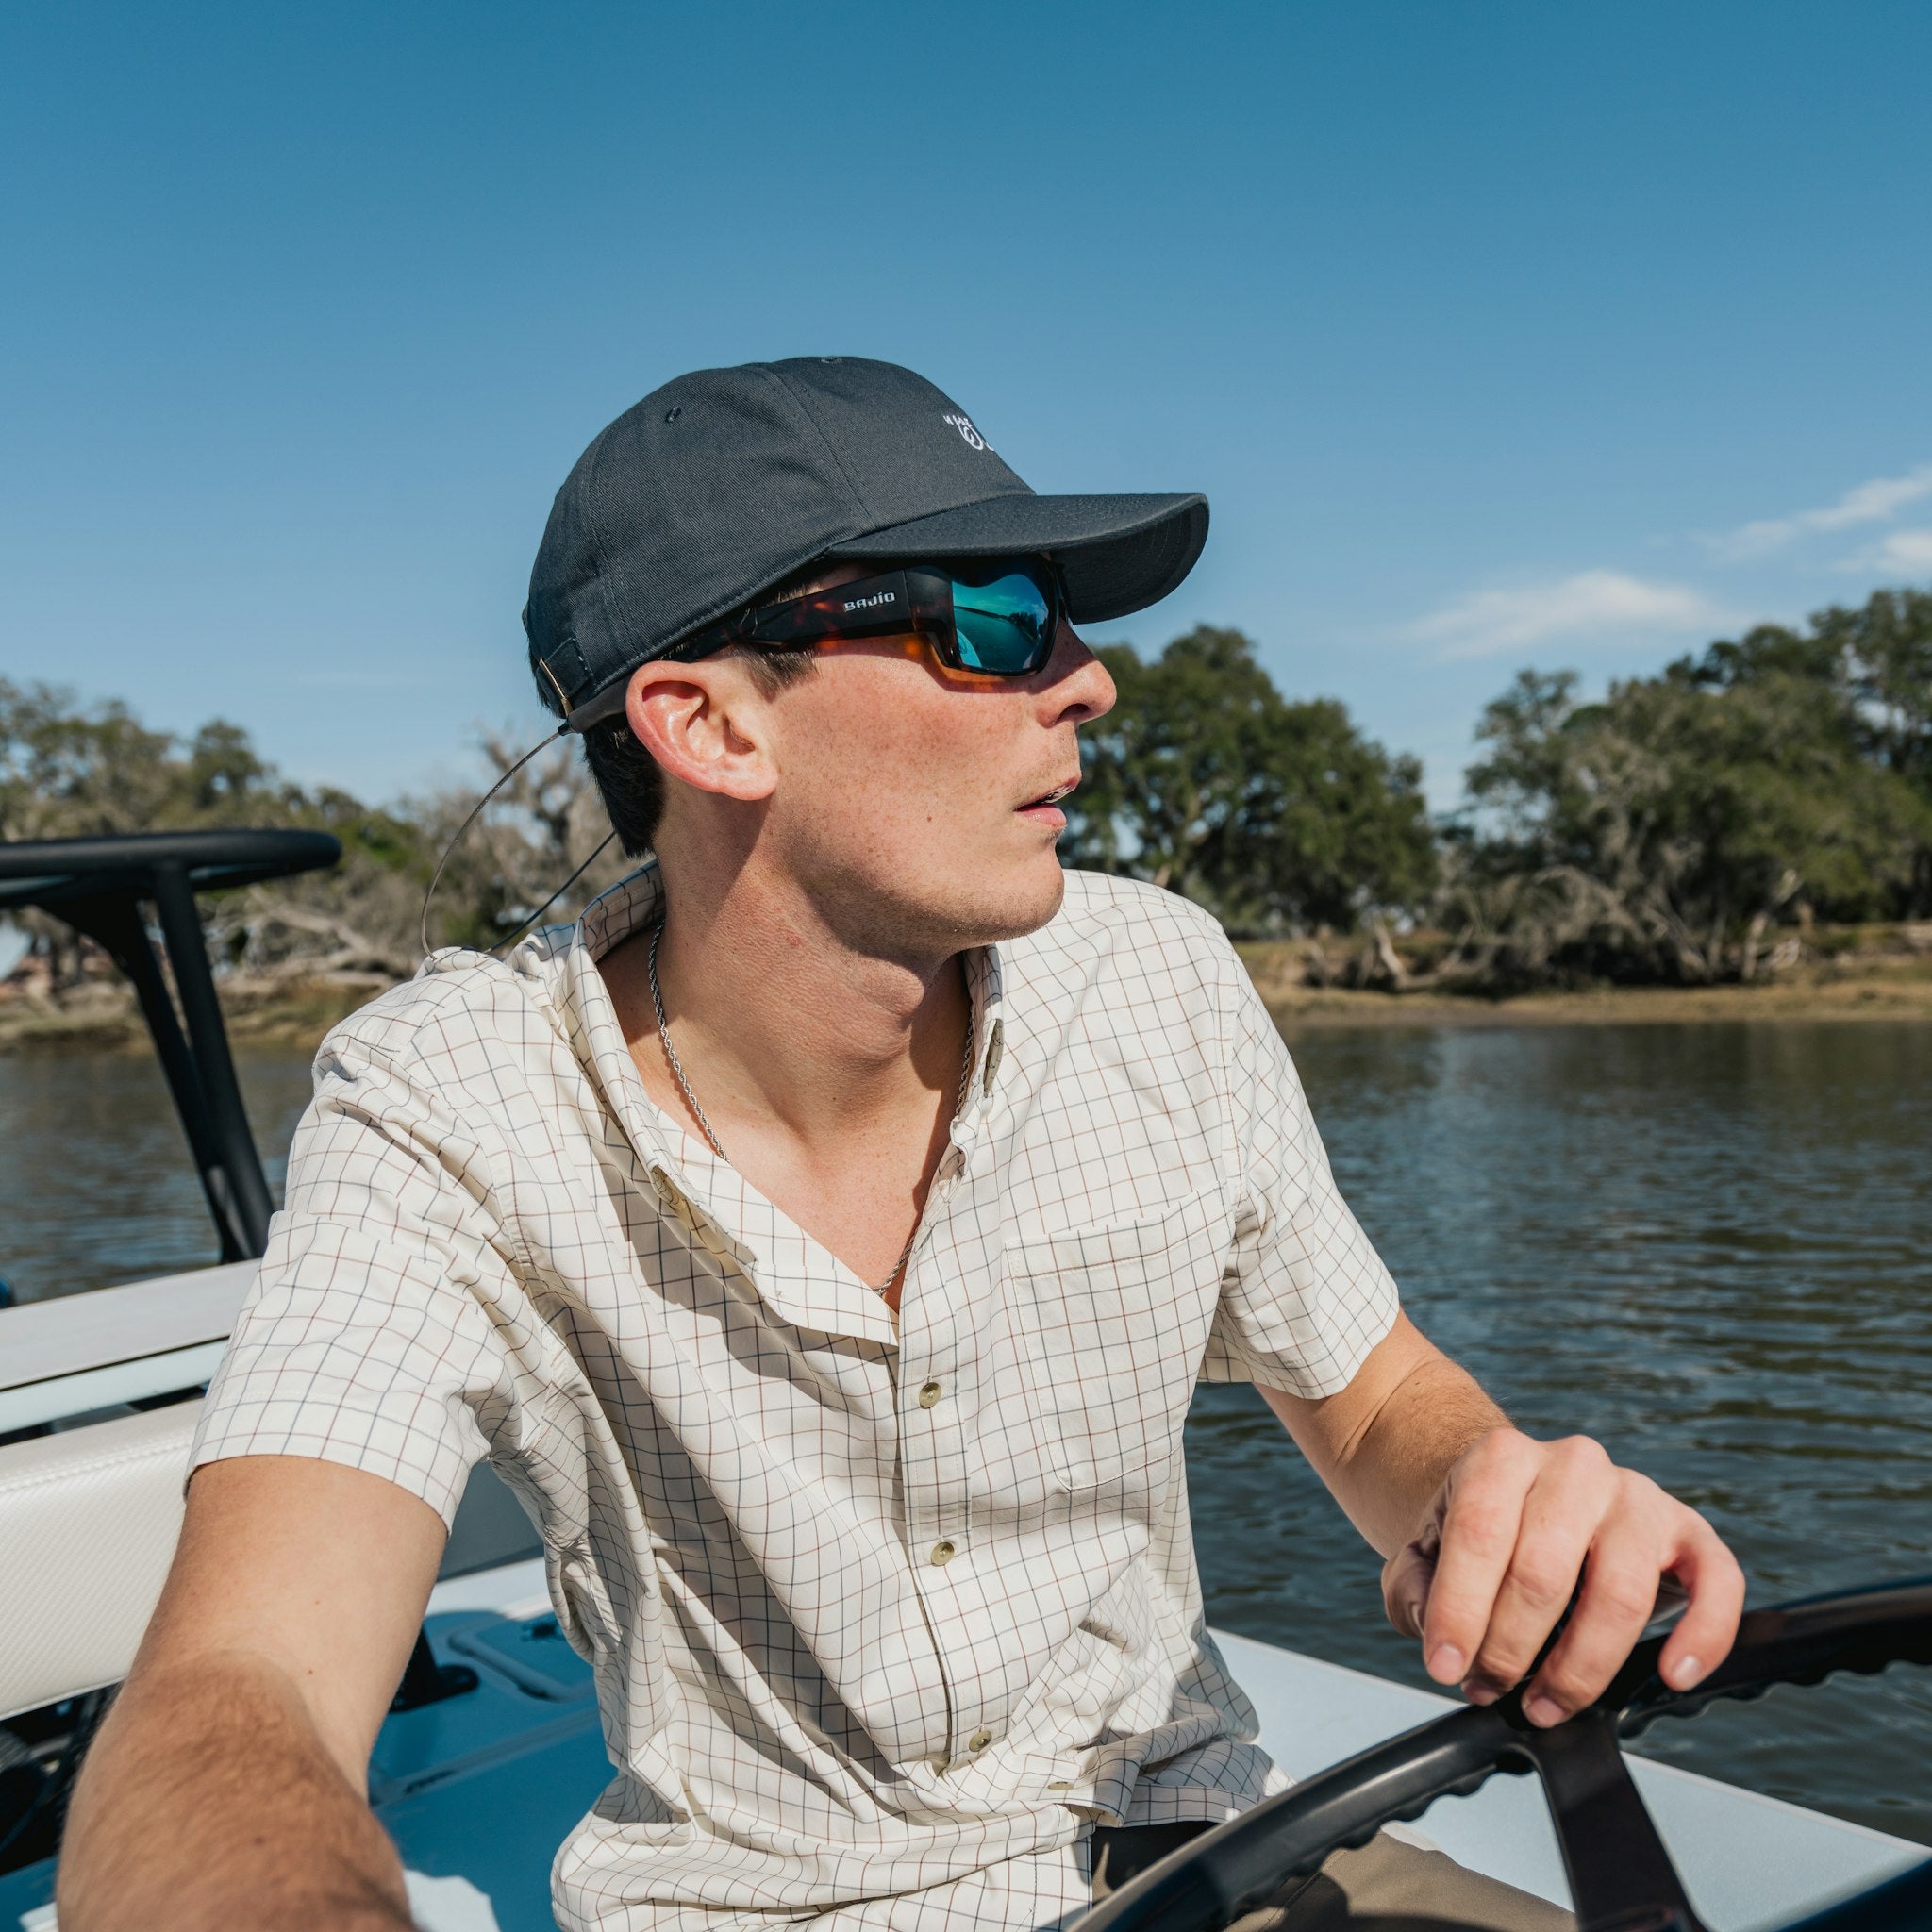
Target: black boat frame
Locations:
point(98, 887)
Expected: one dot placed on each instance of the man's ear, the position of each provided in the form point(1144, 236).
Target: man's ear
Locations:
point(704, 724)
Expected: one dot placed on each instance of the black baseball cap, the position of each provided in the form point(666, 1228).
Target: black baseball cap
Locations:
point(726, 481)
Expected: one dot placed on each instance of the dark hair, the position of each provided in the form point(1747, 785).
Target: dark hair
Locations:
point(629, 783)
point(628, 776)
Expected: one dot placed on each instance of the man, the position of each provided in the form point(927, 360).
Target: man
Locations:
point(825, 1238)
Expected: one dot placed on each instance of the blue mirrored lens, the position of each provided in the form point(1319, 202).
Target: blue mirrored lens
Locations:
point(1003, 625)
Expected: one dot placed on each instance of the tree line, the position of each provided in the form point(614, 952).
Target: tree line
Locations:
point(1675, 830)
point(72, 771)
point(1681, 828)
point(1667, 831)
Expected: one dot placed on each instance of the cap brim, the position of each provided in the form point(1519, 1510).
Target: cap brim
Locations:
point(1118, 553)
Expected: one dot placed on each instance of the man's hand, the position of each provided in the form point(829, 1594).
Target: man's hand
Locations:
point(1509, 1527)
point(1514, 1526)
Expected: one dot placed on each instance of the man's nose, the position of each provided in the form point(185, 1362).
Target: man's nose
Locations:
point(1080, 685)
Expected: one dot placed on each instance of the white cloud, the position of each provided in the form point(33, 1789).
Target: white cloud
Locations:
point(1909, 550)
point(1870, 503)
point(1593, 603)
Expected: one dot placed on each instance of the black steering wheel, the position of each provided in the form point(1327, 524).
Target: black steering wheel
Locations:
point(1620, 1877)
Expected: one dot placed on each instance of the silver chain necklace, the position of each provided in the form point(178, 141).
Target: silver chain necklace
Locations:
point(691, 1099)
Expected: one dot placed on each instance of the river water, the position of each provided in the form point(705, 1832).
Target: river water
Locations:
point(1710, 1246)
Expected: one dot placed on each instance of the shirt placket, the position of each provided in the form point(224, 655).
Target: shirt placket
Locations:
point(937, 1375)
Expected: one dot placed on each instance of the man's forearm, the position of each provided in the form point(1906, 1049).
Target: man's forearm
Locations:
point(1384, 1450)
point(211, 1802)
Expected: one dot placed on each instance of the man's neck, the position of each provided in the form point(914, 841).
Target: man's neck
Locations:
point(783, 1025)
point(827, 1072)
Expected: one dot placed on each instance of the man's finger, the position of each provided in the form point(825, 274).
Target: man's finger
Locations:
point(1481, 1516)
point(1562, 1518)
point(1618, 1597)
point(1704, 1635)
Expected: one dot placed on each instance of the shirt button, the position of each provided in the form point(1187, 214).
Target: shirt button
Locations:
point(1060, 1784)
point(979, 1741)
point(943, 1553)
point(928, 1394)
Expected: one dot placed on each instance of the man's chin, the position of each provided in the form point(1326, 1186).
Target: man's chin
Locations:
point(1030, 904)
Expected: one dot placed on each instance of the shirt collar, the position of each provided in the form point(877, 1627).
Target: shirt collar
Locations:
point(631, 906)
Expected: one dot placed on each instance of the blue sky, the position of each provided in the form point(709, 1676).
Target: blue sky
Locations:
point(1497, 334)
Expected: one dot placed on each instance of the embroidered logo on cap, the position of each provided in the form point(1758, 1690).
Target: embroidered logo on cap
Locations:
point(964, 425)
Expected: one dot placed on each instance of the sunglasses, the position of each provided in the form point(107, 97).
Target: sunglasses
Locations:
point(998, 617)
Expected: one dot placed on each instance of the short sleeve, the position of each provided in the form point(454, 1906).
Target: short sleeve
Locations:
point(1305, 1296)
point(368, 1338)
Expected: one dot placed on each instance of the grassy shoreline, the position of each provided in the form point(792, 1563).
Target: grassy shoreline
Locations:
point(1850, 1000)
point(108, 1018)
point(1856, 987)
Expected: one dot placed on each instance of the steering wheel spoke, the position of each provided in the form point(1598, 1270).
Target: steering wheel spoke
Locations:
point(1621, 1877)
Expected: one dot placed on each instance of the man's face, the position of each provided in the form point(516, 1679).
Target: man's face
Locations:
point(916, 803)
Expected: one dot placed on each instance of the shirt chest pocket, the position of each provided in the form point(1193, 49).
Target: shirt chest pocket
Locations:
point(1110, 1323)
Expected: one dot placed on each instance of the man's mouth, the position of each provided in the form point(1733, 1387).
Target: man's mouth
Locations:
point(1053, 797)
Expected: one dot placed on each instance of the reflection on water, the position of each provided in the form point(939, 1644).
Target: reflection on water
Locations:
point(1707, 1245)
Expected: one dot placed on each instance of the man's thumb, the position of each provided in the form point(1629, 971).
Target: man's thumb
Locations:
point(1405, 1580)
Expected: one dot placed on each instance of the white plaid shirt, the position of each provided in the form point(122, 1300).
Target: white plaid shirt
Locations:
point(884, 1614)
